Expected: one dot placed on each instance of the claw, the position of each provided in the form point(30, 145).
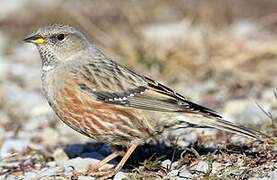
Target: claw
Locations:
point(91, 171)
point(103, 174)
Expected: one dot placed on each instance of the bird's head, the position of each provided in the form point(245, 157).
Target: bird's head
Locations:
point(58, 43)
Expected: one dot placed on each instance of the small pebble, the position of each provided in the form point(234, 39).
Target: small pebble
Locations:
point(202, 166)
point(86, 178)
point(120, 176)
point(184, 174)
point(166, 163)
point(80, 164)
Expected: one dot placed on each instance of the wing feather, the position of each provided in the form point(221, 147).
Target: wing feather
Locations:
point(115, 84)
point(137, 92)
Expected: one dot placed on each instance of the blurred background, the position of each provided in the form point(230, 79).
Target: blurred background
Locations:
point(219, 53)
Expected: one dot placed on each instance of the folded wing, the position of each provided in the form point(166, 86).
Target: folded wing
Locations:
point(120, 86)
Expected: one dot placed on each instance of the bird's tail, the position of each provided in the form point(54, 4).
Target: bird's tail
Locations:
point(221, 124)
point(230, 127)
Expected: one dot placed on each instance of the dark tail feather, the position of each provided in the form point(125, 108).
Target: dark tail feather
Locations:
point(228, 126)
point(221, 124)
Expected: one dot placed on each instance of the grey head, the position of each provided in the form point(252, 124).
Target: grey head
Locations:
point(58, 43)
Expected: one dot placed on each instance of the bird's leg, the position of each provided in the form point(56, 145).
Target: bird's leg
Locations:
point(125, 158)
point(96, 166)
point(110, 172)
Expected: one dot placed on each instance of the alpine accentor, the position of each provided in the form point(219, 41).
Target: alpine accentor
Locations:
point(108, 102)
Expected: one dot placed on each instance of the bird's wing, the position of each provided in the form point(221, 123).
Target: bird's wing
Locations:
point(114, 84)
point(111, 83)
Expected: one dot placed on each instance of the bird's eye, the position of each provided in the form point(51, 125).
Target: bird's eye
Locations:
point(60, 37)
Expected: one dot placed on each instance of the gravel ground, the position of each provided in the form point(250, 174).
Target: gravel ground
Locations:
point(228, 61)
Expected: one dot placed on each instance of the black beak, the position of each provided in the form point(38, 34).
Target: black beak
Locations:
point(36, 39)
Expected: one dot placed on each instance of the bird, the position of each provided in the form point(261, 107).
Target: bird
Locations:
point(108, 102)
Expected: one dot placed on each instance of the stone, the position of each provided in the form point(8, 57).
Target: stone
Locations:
point(166, 163)
point(79, 164)
point(44, 173)
point(120, 176)
point(271, 176)
point(201, 166)
point(9, 177)
point(51, 163)
point(184, 174)
point(86, 178)
point(217, 167)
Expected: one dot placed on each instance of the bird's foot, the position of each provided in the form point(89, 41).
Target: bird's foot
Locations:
point(94, 168)
point(103, 174)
